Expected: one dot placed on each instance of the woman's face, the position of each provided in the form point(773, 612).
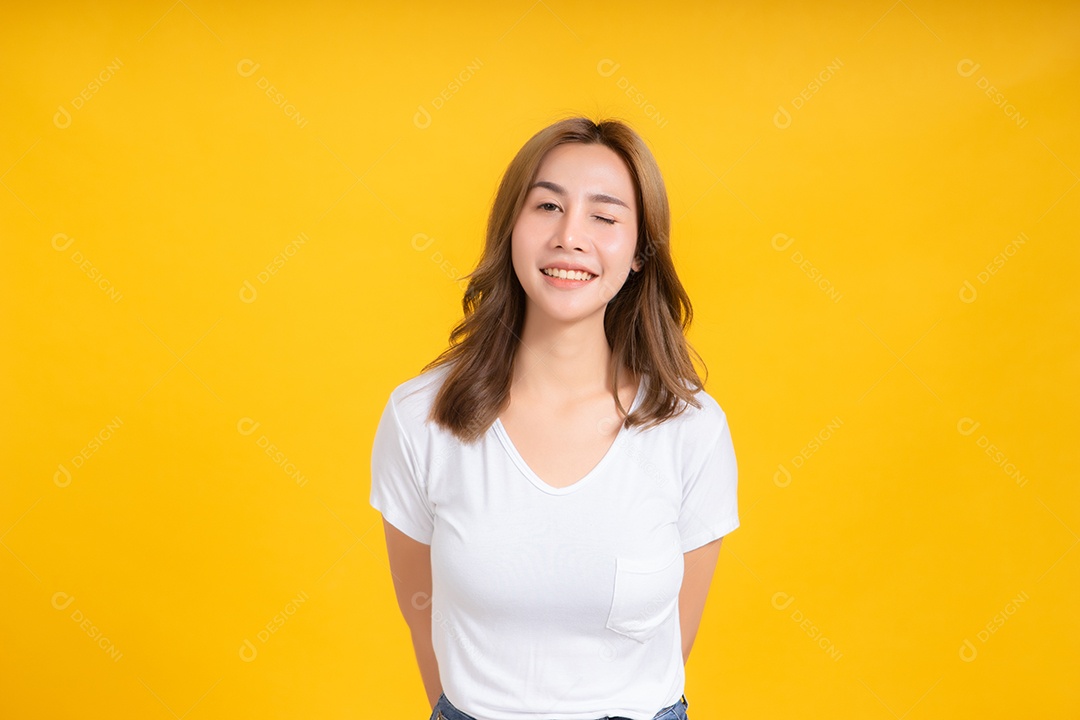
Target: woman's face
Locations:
point(580, 212)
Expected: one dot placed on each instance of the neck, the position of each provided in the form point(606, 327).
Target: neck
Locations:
point(563, 361)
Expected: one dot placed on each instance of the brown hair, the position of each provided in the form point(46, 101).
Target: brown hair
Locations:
point(644, 322)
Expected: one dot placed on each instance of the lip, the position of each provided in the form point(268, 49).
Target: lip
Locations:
point(567, 266)
point(567, 283)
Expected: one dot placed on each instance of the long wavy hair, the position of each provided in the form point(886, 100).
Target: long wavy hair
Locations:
point(645, 322)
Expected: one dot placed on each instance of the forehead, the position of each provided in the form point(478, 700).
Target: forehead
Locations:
point(590, 167)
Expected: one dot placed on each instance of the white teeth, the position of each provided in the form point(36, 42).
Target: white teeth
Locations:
point(567, 274)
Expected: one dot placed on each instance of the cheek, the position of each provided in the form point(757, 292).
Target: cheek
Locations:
point(525, 238)
point(526, 227)
point(522, 254)
point(619, 248)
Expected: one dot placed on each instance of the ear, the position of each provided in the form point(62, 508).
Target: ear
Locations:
point(636, 264)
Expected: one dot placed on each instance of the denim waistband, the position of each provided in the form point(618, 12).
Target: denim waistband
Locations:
point(445, 710)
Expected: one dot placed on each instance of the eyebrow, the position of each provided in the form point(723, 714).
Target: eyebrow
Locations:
point(595, 197)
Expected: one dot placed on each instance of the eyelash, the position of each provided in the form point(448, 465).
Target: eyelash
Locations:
point(603, 219)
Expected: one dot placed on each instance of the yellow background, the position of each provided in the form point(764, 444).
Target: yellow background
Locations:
point(211, 290)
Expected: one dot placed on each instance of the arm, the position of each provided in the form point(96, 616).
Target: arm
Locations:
point(410, 566)
point(698, 567)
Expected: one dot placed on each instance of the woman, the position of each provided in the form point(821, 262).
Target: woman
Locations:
point(555, 485)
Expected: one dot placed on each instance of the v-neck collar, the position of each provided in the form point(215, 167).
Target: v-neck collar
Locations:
point(535, 479)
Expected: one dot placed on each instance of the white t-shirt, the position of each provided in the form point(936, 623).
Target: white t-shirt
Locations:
point(555, 602)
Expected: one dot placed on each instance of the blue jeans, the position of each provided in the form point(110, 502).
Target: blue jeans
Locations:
point(443, 710)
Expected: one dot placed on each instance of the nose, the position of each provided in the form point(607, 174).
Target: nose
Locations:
point(572, 231)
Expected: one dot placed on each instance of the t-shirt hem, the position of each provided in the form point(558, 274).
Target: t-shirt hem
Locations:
point(402, 523)
point(706, 536)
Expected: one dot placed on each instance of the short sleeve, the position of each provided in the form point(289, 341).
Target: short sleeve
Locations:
point(396, 489)
point(709, 498)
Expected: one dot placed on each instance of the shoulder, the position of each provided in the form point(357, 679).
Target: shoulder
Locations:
point(412, 399)
point(705, 423)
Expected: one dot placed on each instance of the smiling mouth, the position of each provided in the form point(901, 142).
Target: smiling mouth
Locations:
point(558, 274)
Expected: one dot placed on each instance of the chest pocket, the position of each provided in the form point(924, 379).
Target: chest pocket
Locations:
point(646, 594)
